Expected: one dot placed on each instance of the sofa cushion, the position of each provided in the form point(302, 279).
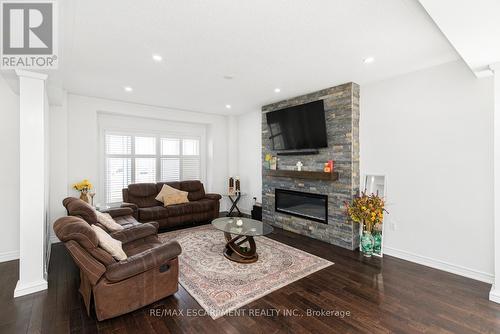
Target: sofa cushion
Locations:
point(110, 245)
point(153, 213)
point(177, 198)
point(77, 230)
point(194, 188)
point(143, 195)
point(108, 222)
point(176, 185)
point(169, 195)
point(79, 208)
point(179, 209)
point(74, 228)
point(203, 205)
point(164, 191)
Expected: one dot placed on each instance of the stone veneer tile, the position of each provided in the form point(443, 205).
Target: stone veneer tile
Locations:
point(342, 118)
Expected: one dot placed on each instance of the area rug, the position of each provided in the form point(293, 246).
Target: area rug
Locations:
point(220, 285)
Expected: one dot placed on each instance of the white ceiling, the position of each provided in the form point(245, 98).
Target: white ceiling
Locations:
point(298, 46)
point(473, 27)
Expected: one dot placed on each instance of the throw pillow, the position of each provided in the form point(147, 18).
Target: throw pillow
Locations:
point(177, 198)
point(110, 245)
point(167, 190)
point(108, 222)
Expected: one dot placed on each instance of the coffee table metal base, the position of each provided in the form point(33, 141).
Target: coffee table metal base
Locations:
point(234, 252)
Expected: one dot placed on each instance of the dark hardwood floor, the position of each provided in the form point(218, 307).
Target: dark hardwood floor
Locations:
point(381, 296)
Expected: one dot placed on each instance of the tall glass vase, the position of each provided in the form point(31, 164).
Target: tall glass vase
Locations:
point(367, 243)
point(377, 246)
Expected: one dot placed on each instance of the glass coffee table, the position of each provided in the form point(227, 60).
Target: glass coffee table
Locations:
point(243, 229)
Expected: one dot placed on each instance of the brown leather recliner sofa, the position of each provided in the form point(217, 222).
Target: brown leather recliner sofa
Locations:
point(201, 207)
point(149, 274)
point(123, 216)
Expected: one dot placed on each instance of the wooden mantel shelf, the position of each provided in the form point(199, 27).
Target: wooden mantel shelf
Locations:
point(302, 174)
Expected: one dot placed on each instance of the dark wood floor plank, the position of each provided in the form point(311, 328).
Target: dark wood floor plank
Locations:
point(386, 295)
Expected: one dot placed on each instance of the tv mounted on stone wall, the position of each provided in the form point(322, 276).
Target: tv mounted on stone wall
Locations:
point(301, 127)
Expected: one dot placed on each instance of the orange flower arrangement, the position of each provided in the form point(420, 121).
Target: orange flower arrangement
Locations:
point(367, 210)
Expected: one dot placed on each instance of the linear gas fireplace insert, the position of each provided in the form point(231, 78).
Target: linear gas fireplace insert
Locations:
point(302, 204)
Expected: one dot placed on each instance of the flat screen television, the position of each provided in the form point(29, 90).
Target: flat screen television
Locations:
point(299, 127)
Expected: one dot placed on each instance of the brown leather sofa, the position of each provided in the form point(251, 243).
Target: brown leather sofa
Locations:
point(201, 207)
point(149, 274)
point(123, 216)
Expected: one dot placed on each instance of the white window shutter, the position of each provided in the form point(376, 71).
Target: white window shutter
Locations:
point(145, 145)
point(191, 168)
point(118, 176)
point(136, 159)
point(118, 144)
point(145, 170)
point(170, 169)
point(170, 146)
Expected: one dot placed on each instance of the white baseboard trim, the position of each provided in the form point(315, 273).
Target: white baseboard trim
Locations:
point(495, 295)
point(441, 265)
point(9, 256)
point(23, 289)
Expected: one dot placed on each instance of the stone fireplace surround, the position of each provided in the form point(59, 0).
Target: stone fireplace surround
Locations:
point(342, 122)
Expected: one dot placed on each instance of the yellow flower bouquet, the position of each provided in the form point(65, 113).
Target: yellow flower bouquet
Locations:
point(367, 210)
point(83, 186)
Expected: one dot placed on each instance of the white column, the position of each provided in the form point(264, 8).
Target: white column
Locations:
point(232, 156)
point(495, 290)
point(32, 102)
point(232, 145)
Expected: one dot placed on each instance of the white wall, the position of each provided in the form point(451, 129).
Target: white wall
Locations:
point(82, 143)
point(495, 289)
point(9, 172)
point(431, 133)
point(58, 186)
point(249, 156)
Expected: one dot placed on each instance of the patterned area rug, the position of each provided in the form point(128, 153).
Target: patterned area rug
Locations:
point(220, 285)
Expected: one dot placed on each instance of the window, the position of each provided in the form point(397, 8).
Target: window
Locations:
point(148, 159)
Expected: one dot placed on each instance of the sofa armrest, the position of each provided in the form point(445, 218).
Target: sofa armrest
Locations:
point(120, 212)
point(132, 206)
point(134, 233)
point(215, 197)
point(142, 262)
point(92, 268)
point(155, 224)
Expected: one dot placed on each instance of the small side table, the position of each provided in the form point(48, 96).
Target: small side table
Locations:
point(234, 198)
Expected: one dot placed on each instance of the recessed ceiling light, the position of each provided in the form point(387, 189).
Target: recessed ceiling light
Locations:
point(368, 60)
point(157, 58)
point(277, 90)
point(127, 89)
point(228, 77)
point(228, 106)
